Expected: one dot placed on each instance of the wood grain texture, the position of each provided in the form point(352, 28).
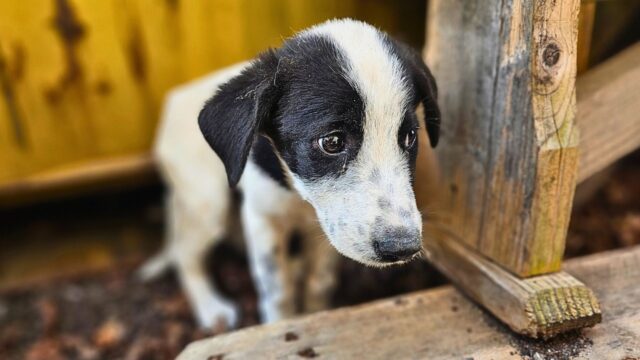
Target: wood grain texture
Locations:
point(508, 158)
point(609, 111)
point(539, 307)
point(442, 324)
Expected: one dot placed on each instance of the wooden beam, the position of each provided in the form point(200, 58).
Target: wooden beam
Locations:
point(508, 157)
point(79, 178)
point(609, 111)
point(539, 307)
point(442, 324)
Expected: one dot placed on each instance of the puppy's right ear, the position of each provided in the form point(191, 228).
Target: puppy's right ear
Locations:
point(425, 86)
point(232, 118)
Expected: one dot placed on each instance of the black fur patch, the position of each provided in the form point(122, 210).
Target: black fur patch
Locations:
point(232, 118)
point(295, 245)
point(317, 99)
point(266, 159)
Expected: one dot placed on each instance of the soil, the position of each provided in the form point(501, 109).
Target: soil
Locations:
point(110, 314)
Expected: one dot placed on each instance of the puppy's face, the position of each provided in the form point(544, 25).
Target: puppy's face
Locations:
point(338, 103)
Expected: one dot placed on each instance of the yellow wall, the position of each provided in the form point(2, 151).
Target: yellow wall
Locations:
point(83, 80)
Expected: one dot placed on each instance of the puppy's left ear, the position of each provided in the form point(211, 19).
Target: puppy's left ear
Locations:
point(425, 86)
point(232, 118)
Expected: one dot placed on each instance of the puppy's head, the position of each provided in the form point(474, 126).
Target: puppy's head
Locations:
point(338, 102)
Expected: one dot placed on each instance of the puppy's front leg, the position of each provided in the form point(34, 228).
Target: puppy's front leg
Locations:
point(209, 306)
point(190, 240)
point(267, 236)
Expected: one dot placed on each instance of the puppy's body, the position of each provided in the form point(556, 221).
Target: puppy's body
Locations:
point(320, 137)
point(198, 205)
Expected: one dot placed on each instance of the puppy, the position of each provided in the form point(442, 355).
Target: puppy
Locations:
point(320, 138)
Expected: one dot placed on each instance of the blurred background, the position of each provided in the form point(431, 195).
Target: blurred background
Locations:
point(82, 85)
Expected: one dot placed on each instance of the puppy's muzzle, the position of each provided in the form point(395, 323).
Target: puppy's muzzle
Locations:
point(395, 244)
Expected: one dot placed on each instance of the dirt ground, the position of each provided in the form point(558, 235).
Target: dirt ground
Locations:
point(105, 314)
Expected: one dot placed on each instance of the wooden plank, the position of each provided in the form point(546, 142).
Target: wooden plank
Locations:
point(539, 307)
point(107, 173)
point(442, 324)
point(609, 111)
point(508, 158)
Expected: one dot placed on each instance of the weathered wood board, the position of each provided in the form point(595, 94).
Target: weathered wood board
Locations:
point(609, 111)
point(540, 306)
point(442, 324)
point(506, 72)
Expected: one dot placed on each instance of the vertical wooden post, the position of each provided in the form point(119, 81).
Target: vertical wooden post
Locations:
point(508, 156)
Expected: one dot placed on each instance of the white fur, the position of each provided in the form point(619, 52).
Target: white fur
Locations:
point(270, 214)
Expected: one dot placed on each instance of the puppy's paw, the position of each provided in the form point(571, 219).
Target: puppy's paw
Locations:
point(213, 311)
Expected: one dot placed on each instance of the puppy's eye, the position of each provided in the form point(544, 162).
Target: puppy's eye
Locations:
point(332, 144)
point(409, 139)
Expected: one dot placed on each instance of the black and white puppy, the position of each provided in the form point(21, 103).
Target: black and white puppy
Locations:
point(320, 136)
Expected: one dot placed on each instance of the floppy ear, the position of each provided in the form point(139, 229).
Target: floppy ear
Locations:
point(232, 118)
point(425, 87)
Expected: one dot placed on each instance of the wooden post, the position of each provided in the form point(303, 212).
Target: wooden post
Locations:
point(610, 129)
point(508, 156)
point(540, 306)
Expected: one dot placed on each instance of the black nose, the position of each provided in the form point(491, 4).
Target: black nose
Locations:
point(396, 244)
